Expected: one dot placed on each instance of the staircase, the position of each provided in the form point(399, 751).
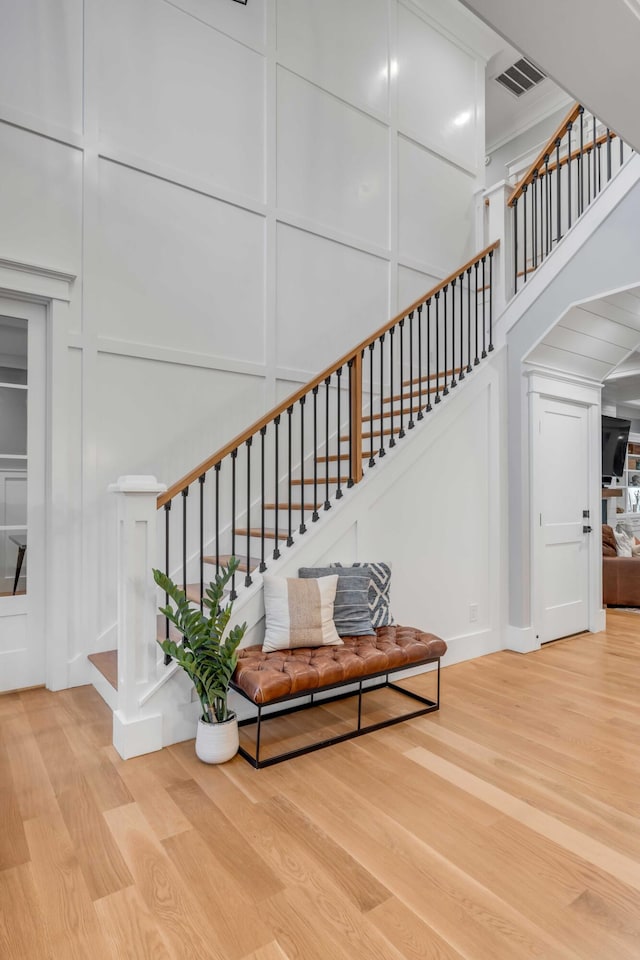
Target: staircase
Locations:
point(276, 482)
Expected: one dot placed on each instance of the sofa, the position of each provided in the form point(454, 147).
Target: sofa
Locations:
point(620, 575)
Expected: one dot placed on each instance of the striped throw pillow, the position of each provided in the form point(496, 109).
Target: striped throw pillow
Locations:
point(379, 588)
point(351, 606)
point(299, 613)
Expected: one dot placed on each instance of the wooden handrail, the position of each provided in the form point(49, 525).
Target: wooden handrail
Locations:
point(547, 149)
point(352, 355)
point(543, 171)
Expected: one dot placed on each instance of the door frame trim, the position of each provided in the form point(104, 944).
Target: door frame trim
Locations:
point(544, 384)
point(51, 288)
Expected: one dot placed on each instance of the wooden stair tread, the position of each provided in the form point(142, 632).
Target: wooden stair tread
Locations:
point(432, 376)
point(424, 392)
point(193, 593)
point(308, 480)
point(224, 560)
point(376, 433)
point(295, 506)
point(161, 629)
point(107, 663)
point(387, 413)
point(333, 458)
point(269, 533)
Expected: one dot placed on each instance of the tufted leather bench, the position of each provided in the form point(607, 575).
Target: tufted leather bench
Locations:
point(272, 678)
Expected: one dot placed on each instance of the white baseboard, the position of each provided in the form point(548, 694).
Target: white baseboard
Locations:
point(599, 621)
point(520, 639)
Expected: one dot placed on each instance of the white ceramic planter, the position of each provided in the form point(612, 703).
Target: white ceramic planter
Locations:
point(217, 742)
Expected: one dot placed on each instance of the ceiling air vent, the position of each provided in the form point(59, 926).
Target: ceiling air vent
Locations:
point(519, 78)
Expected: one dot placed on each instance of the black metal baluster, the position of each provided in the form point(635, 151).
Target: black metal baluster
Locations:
point(515, 245)
point(534, 218)
point(547, 178)
point(599, 151)
point(411, 424)
point(437, 397)
point(490, 300)
point(263, 566)
point(303, 527)
point(372, 461)
point(476, 360)
point(338, 399)
point(201, 482)
point(327, 384)
point(315, 515)
point(569, 128)
point(392, 440)
point(234, 456)
point(589, 176)
point(469, 367)
point(558, 191)
point(276, 423)
point(217, 469)
point(581, 164)
point(167, 511)
point(185, 494)
point(454, 381)
point(401, 431)
point(247, 579)
point(594, 159)
point(524, 229)
point(428, 354)
point(621, 151)
point(461, 371)
point(608, 154)
point(382, 452)
point(350, 481)
point(484, 308)
point(290, 471)
point(420, 410)
point(540, 191)
point(445, 390)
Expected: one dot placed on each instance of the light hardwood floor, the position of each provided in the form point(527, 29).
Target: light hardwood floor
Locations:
point(505, 827)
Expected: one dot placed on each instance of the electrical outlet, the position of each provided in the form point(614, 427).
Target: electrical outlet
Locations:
point(473, 612)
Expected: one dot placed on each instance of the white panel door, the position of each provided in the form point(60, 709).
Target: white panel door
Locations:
point(22, 494)
point(561, 494)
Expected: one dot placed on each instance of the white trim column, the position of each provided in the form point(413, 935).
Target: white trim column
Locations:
point(499, 227)
point(136, 730)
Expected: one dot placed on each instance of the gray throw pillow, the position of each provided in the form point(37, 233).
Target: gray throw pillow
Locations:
point(351, 606)
point(379, 588)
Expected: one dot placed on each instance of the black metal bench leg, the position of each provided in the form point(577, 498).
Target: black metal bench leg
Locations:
point(258, 736)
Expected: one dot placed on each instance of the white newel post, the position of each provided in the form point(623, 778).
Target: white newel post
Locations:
point(499, 227)
point(136, 730)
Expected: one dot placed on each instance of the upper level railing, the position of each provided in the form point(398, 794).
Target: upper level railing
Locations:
point(566, 176)
point(273, 479)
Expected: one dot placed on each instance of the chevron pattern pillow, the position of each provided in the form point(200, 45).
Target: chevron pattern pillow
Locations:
point(379, 590)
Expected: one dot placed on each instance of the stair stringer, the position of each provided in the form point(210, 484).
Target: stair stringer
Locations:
point(441, 524)
point(599, 256)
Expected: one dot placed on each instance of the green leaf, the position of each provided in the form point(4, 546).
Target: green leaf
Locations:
point(207, 658)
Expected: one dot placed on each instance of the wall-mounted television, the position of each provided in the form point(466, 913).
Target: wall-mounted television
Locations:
point(615, 435)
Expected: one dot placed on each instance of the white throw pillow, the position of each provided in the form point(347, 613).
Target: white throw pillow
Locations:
point(624, 543)
point(299, 613)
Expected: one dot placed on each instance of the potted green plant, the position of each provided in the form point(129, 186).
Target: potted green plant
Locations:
point(208, 657)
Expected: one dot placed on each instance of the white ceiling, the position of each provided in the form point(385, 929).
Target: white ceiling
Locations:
point(507, 116)
point(589, 47)
point(595, 339)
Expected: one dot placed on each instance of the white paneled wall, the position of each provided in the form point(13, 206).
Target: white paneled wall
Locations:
point(333, 161)
point(320, 319)
point(241, 193)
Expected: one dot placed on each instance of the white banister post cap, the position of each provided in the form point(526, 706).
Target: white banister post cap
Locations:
point(133, 483)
